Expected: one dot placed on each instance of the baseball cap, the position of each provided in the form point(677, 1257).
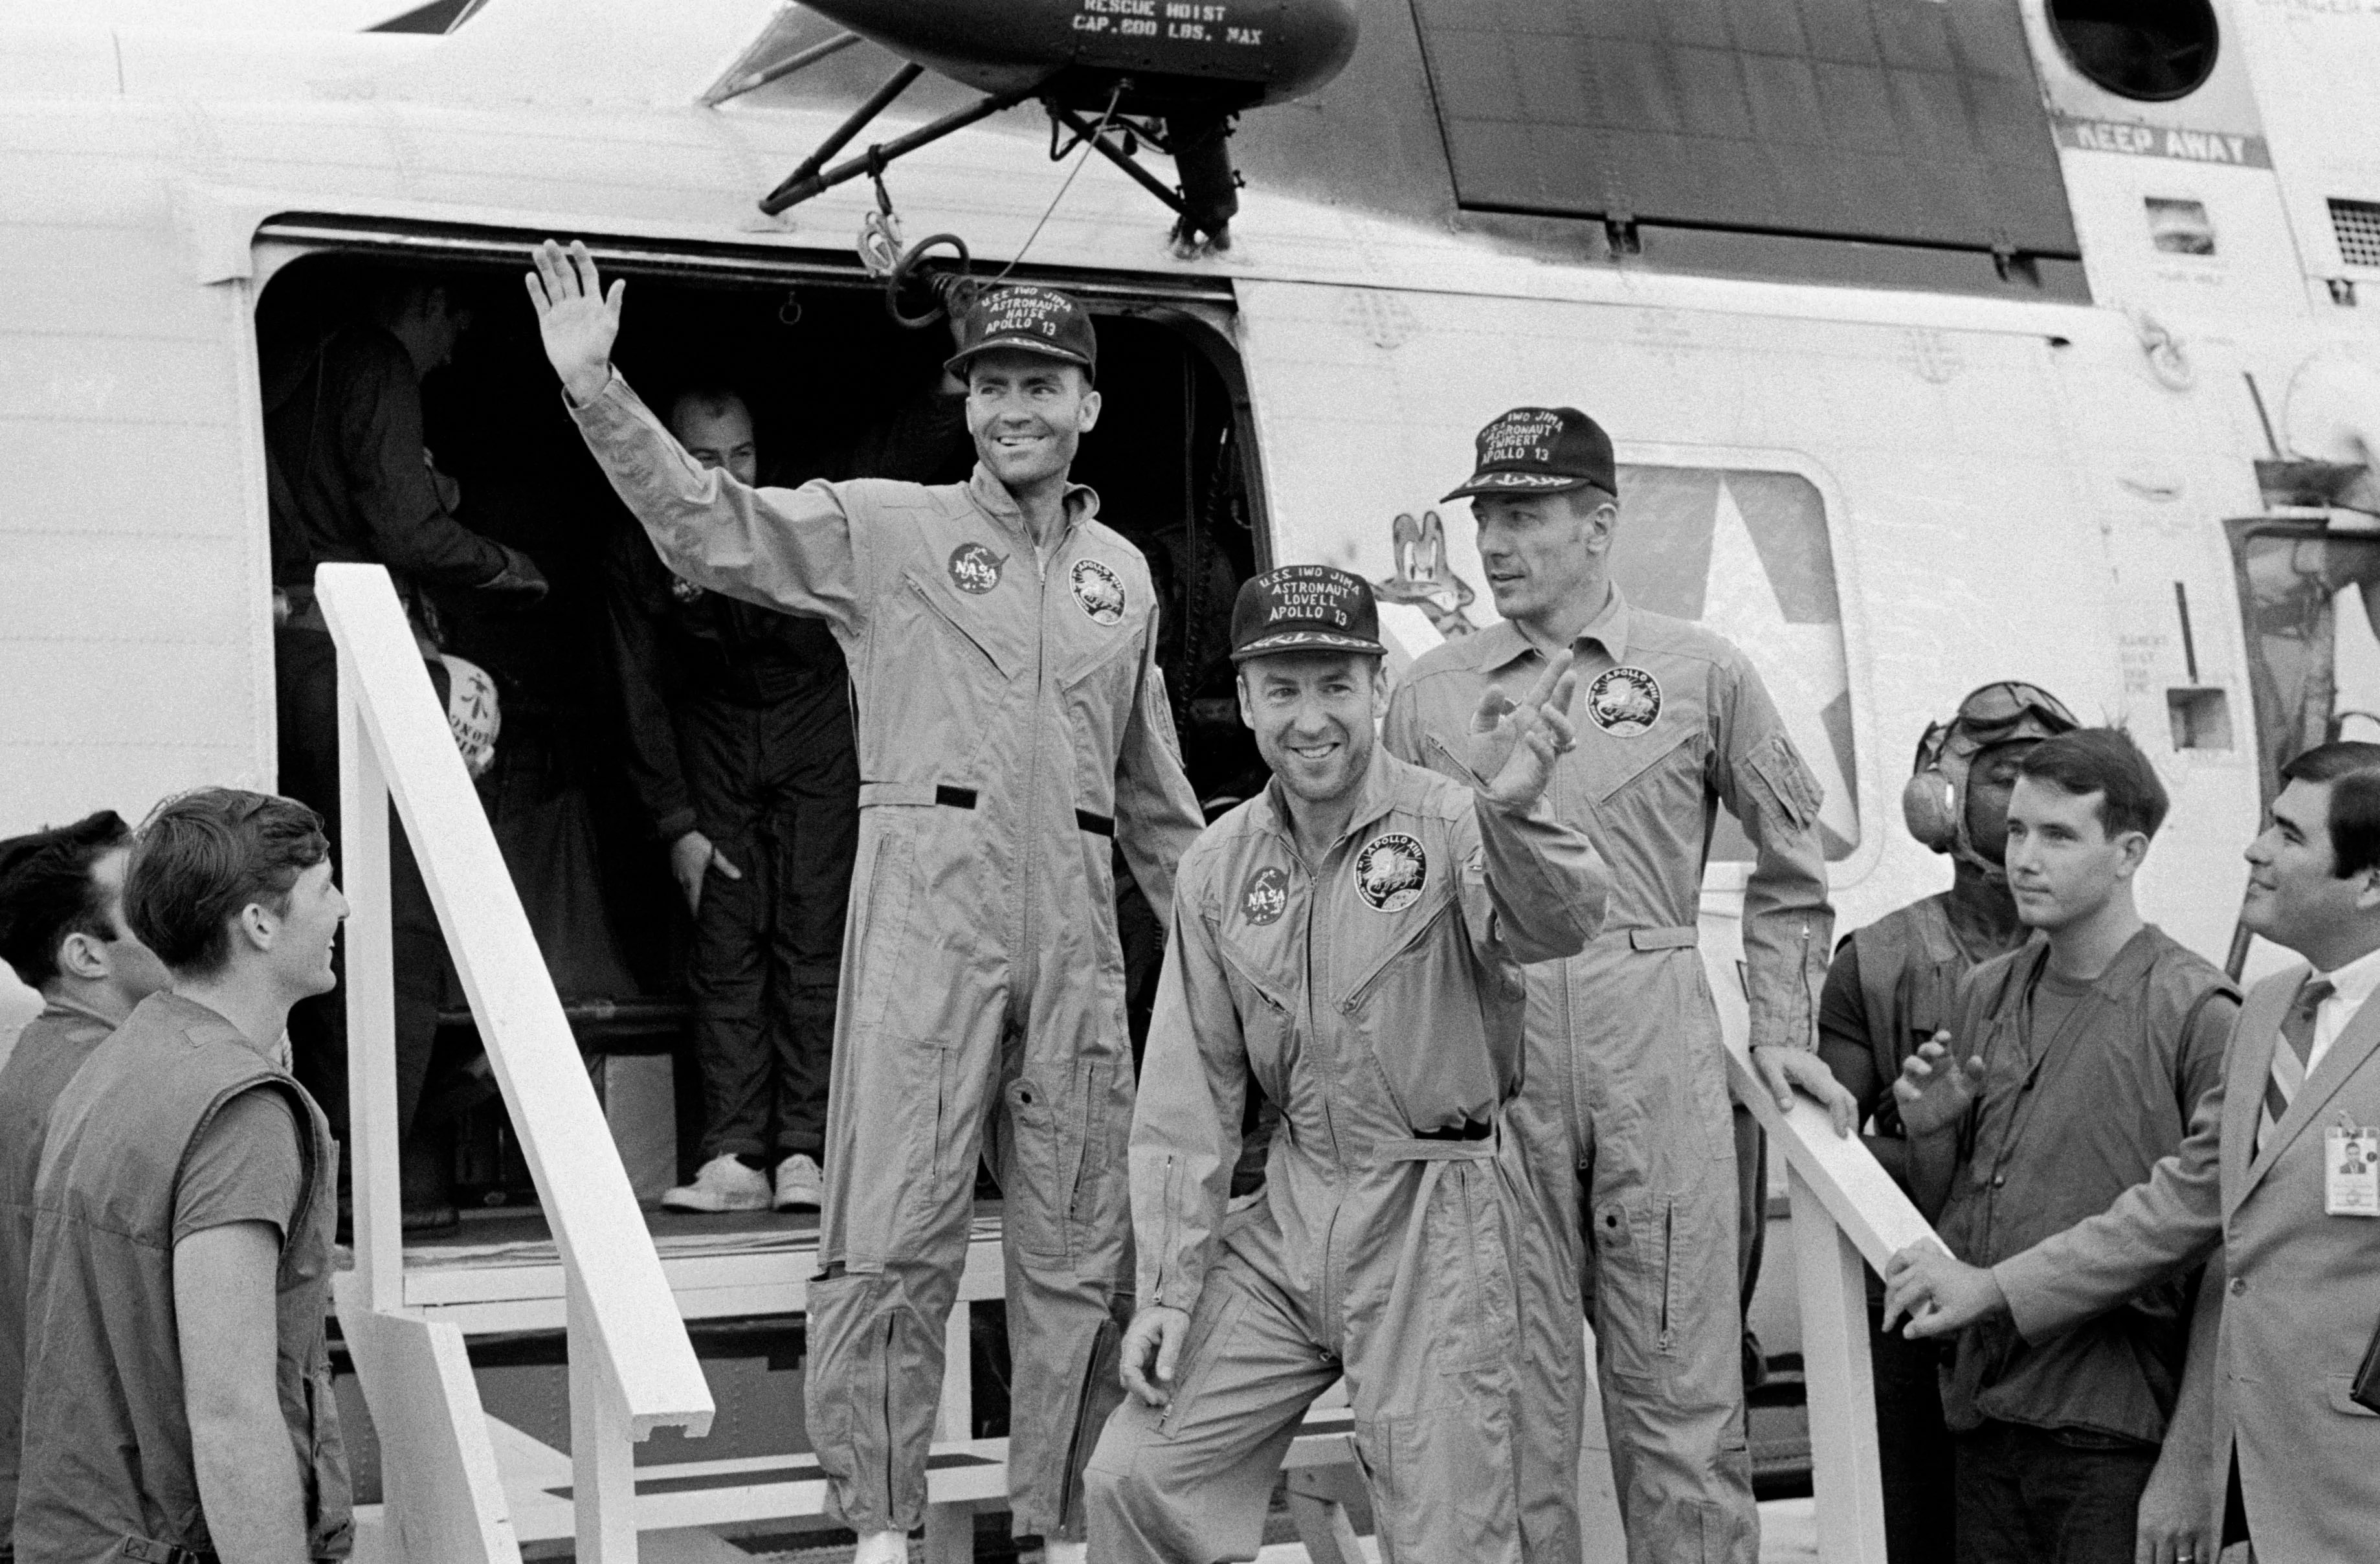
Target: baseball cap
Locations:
point(1304, 608)
point(1030, 320)
point(1541, 451)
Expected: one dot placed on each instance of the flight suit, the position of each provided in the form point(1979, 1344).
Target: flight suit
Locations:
point(740, 726)
point(1374, 996)
point(1625, 1116)
point(1012, 726)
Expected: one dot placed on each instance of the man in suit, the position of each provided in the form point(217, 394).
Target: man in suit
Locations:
point(2263, 1187)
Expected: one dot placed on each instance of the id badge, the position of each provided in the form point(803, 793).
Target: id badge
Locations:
point(2351, 1170)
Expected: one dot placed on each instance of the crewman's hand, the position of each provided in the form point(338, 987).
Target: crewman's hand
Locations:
point(1934, 1089)
point(520, 582)
point(691, 856)
point(1937, 1293)
point(576, 320)
point(2176, 1522)
point(1784, 1067)
point(1529, 736)
point(1152, 1347)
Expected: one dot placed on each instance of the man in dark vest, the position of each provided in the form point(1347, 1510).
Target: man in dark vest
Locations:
point(62, 928)
point(2066, 1071)
point(181, 1406)
point(1889, 989)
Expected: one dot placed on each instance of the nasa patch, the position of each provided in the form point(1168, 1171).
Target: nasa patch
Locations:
point(1624, 701)
point(1098, 591)
point(975, 569)
point(1391, 872)
point(1266, 895)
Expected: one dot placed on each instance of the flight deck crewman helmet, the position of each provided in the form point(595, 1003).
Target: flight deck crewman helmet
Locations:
point(1029, 320)
point(1935, 802)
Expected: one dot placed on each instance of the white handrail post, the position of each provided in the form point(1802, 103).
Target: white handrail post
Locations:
point(603, 1462)
point(1840, 1382)
point(373, 1135)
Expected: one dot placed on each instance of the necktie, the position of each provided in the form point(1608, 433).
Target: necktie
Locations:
point(2289, 1055)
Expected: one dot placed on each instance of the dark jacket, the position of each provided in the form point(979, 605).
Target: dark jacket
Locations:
point(342, 423)
point(2064, 1125)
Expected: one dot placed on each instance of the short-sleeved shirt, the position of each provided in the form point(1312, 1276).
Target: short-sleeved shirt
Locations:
point(244, 1166)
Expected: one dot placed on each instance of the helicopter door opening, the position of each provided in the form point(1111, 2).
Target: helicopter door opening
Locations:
point(835, 389)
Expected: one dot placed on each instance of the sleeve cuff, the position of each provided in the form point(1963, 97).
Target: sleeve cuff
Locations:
point(673, 825)
point(610, 379)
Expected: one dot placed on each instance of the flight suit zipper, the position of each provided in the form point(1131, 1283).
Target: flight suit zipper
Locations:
point(1326, 1284)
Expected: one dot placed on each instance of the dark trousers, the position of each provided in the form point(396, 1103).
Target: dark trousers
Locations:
point(1913, 1446)
point(776, 788)
point(2033, 1496)
point(307, 697)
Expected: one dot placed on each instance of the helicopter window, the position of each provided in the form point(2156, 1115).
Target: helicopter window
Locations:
point(2311, 596)
point(1873, 120)
point(2155, 51)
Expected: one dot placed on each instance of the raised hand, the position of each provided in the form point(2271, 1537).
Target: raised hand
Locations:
point(577, 322)
point(1519, 741)
point(1934, 1090)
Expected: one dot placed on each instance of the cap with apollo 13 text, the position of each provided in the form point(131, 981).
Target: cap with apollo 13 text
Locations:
point(1304, 608)
point(1541, 451)
point(1029, 320)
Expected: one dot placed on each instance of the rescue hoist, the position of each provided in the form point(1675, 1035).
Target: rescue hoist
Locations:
point(1172, 75)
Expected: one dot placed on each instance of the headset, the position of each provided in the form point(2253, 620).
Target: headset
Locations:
point(1933, 803)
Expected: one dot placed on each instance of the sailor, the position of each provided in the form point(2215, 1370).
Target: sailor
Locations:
point(1012, 727)
point(62, 929)
point(1625, 1116)
point(1889, 989)
point(1350, 939)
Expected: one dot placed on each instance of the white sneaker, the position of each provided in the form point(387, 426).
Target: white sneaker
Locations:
point(881, 1548)
point(724, 1184)
point(800, 1182)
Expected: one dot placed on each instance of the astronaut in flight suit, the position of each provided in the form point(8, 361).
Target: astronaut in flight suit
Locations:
point(1350, 938)
point(1625, 1116)
point(1013, 728)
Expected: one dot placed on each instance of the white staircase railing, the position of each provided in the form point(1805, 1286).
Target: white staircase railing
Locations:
point(1848, 1216)
point(632, 1367)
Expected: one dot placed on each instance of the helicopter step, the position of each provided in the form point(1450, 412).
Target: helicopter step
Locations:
point(499, 1281)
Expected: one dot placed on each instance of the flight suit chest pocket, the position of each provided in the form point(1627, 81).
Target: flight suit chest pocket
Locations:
point(1414, 1006)
point(1264, 1020)
point(972, 641)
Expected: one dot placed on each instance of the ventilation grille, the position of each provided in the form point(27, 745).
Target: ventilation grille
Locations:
point(2357, 223)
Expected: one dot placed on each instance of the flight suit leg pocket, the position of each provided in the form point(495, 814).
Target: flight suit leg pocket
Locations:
point(1466, 1245)
point(880, 921)
point(1045, 1152)
point(1098, 1208)
point(1212, 1323)
point(1636, 1244)
point(939, 1141)
point(1442, 1481)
